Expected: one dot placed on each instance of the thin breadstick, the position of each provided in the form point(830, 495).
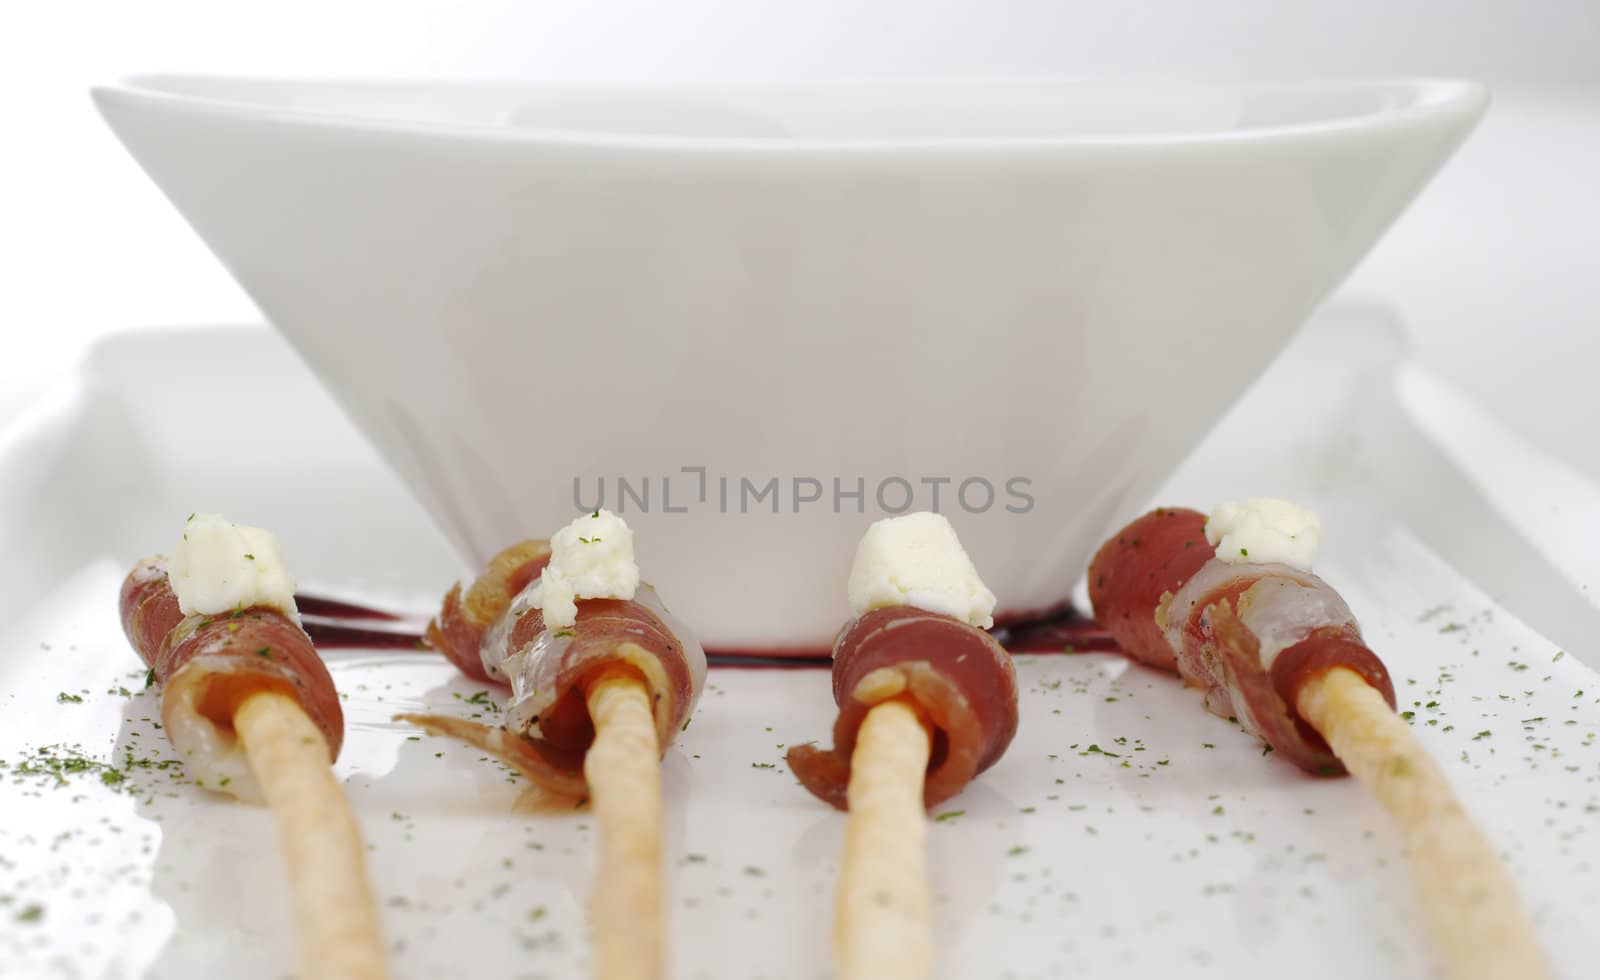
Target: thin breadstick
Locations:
point(334, 910)
point(881, 922)
point(1470, 904)
point(623, 769)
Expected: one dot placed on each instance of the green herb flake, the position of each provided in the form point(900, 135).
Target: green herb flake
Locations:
point(949, 816)
point(264, 652)
point(65, 698)
point(482, 700)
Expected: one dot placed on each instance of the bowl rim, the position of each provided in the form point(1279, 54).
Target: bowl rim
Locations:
point(1425, 98)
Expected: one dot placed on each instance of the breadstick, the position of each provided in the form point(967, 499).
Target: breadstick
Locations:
point(1471, 906)
point(882, 929)
point(623, 769)
point(334, 910)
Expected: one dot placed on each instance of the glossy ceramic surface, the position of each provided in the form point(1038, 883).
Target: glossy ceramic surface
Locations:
point(734, 315)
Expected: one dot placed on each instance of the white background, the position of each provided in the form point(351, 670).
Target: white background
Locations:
point(1494, 271)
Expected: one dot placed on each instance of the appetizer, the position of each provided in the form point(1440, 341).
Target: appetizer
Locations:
point(927, 700)
point(1230, 604)
point(253, 714)
point(602, 677)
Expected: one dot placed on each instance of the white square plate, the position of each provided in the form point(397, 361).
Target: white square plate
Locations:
point(1127, 833)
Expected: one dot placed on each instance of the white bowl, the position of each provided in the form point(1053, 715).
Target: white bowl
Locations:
point(1048, 290)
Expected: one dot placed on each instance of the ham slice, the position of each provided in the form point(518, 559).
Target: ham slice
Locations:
point(1248, 634)
point(458, 631)
point(493, 632)
point(208, 664)
point(960, 678)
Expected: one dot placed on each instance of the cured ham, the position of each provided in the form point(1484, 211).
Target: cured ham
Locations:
point(207, 664)
point(465, 616)
point(960, 678)
point(1249, 635)
point(492, 631)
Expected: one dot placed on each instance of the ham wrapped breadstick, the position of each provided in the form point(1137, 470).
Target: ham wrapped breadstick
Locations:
point(602, 678)
point(956, 676)
point(1230, 604)
point(253, 713)
point(1160, 587)
point(927, 700)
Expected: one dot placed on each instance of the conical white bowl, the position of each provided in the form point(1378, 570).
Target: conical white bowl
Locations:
point(760, 318)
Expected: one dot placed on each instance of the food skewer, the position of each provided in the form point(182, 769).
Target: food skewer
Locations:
point(1230, 604)
point(253, 713)
point(602, 677)
point(927, 700)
